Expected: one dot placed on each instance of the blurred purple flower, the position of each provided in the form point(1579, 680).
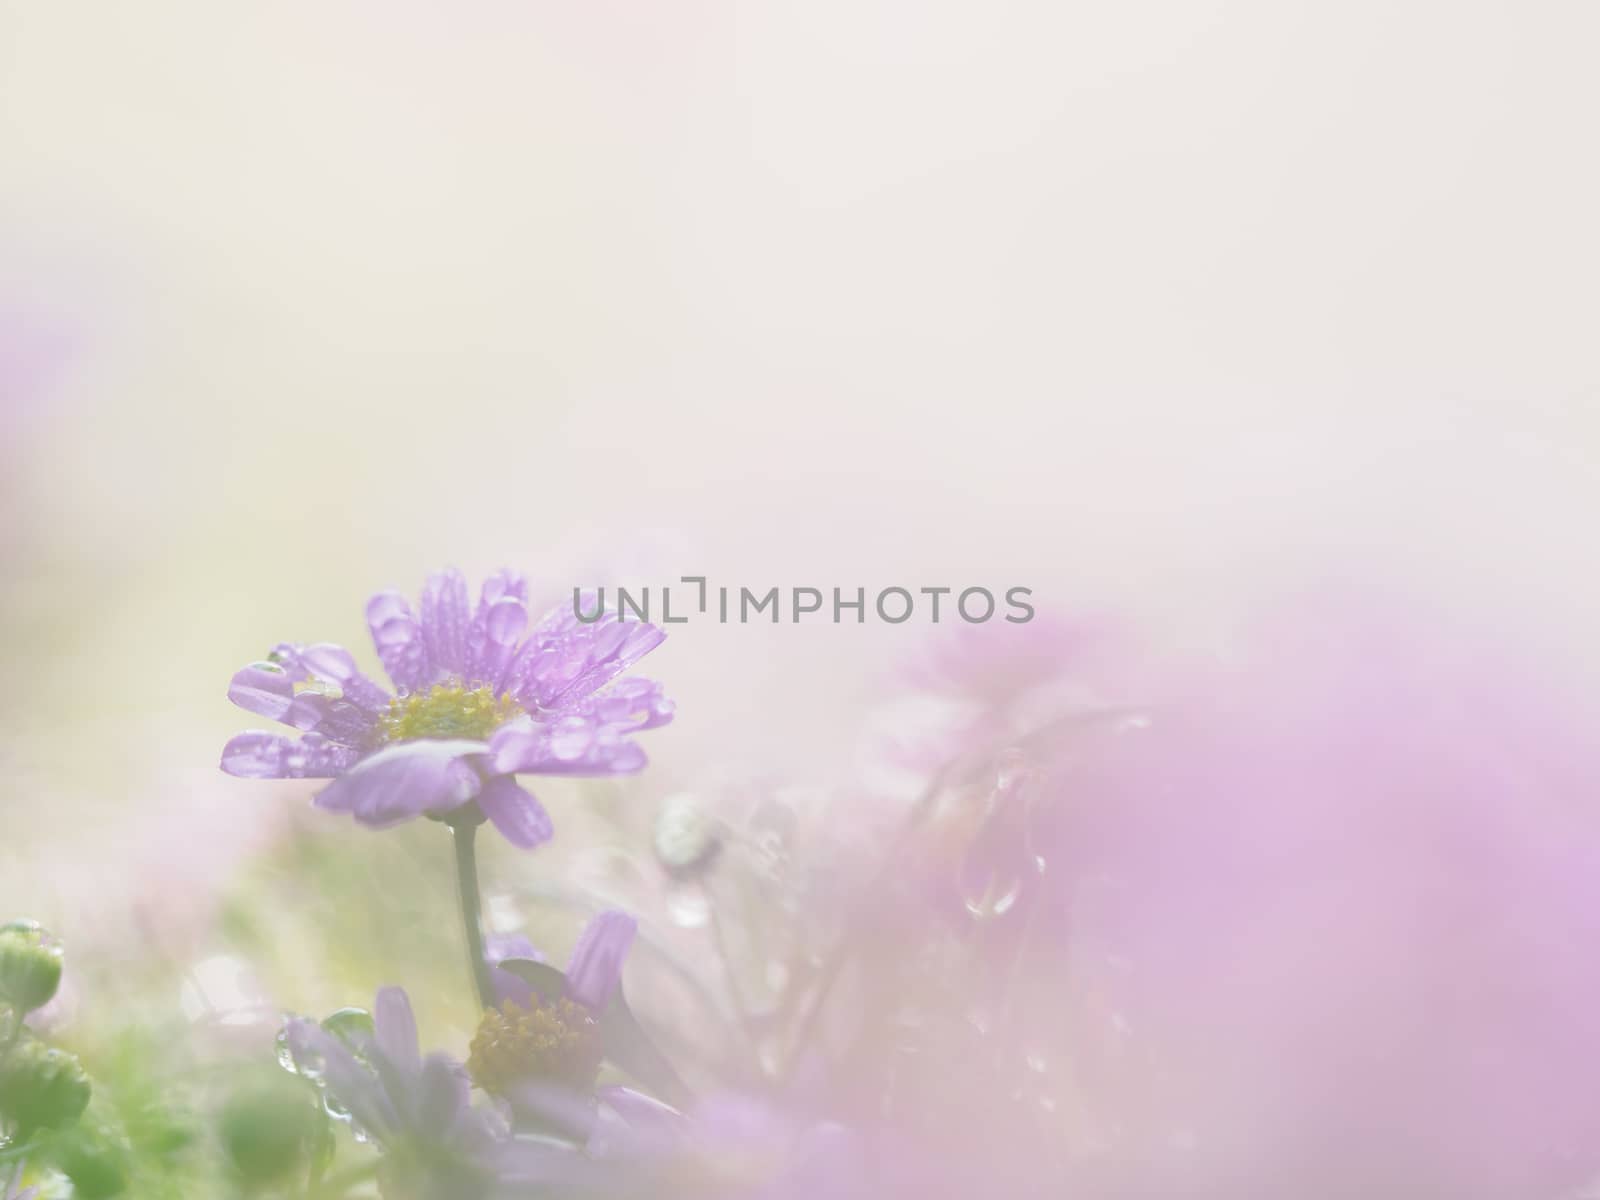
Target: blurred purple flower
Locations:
point(479, 699)
point(1340, 905)
point(541, 1047)
point(418, 1111)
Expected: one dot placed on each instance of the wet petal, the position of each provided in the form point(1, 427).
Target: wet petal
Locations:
point(256, 754)
point(497, 626)
point(565, 659)
point(336, 665)
point(407, 780)
point(632, 703)
point(264, 688)
point(397, 635)
point(336, 720)
point(574, 745)
point(595, 972)
point(350, 1084)
point(520, 818)
point(446, 612)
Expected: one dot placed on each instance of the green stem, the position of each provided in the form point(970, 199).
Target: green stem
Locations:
point(465, 833)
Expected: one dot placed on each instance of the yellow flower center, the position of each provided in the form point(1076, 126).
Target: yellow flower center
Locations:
point(447, 712)
point(549, 1043)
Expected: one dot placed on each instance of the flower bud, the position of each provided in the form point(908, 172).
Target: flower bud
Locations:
point(41, 1087)
point(30, 965)
point(269, 1128)
point(687, 837)
point(95, 1157)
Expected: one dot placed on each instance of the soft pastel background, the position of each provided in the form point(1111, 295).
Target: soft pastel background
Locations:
point(1163, 309)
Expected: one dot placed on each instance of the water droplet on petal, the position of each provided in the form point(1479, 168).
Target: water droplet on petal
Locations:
point(330, 661)
point(506, 620)
point(319, 687)
point(353, 1027)
point(397, 632)
point(285, 1056)
point(571, 739)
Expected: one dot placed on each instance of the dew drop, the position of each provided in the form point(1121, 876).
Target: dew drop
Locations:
point(571, 739)
point(506, 620)
point(353, 1027)
point(319, 687)
point(990, 896)
point(687, 906)
point(284, 1055)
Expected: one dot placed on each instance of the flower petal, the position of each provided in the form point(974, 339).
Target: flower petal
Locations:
point(407, 780)
point(634, 1127)
point(595, 972)
point(508, 986)
point(443, 1093)
point(264, 688)
point(566, 659)
point(446, 611)
point(256, 754)
point(573, 745)
point(497, 627)
point(497, 947)
point(520, 818)
point(336, 665)
point(632, 703)
point(397, 635)
point(396, 1029)
point(350, 1084)
point(336, 720)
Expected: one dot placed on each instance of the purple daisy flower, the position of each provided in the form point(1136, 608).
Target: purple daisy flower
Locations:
point(541, 1046)
point(479, 698)
point(417, 1110)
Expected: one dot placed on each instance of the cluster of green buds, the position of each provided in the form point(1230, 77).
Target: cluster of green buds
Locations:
point(30, 966)
point(40, 1087)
